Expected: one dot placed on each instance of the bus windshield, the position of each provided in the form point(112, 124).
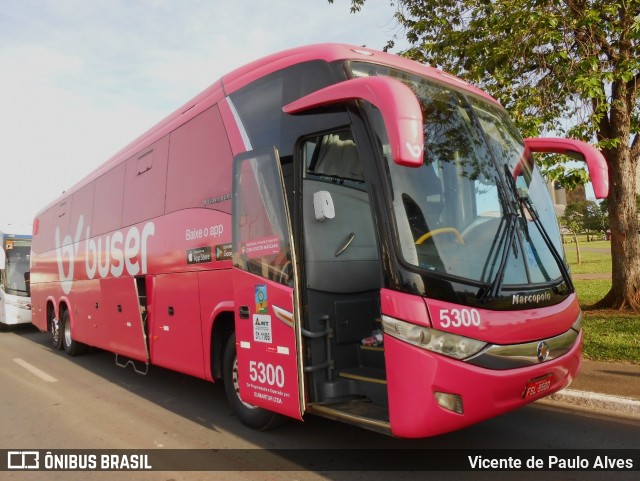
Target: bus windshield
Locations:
point(462, 213)
point(16, 270)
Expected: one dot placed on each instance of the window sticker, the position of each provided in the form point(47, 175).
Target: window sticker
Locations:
point(224, 251)
point(261, 299)
point(262, 328)
point(261, 247)
point(199, 255)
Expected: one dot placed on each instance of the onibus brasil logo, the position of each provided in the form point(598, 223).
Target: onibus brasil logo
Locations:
point(109, 254)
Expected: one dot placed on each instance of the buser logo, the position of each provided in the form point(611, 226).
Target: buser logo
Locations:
point(112, 253)
point(67, 248)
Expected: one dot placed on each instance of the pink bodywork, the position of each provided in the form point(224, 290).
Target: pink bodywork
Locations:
point(414, 374)
point(104, 308)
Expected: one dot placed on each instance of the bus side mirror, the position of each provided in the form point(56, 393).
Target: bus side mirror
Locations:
point(397, 104)
point(578, 150)
point(3, 258)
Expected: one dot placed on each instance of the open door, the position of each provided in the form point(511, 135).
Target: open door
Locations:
point(267, 314)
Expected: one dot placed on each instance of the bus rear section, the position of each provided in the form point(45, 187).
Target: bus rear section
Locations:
point(330, 230)
point(15, 300)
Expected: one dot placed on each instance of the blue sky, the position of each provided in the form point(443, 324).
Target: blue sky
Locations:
point(80, 79)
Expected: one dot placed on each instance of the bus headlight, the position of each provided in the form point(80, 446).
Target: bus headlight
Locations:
point(445, 343)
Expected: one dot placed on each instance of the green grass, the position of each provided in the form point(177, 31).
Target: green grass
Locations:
point(590, 262)
point(611, 336)
point(608, 335)
point(591, 291)
point(582, 239)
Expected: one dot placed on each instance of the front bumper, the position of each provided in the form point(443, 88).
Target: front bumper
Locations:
point(16, 314)
point(414, 375)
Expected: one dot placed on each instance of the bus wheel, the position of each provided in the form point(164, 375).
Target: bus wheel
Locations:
point(252, 416)
point(72, 347)
point(56, 334)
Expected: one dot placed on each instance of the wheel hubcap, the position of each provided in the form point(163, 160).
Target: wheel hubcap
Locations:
point(67, 333)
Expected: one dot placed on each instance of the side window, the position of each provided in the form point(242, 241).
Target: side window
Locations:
point(340, 252)
point(145, 183)
point(259, 106)
point(107, 201)
point(261, 230)
point(199, 165)
point(333, 157)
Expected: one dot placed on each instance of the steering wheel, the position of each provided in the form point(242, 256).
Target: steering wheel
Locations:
point(442, 230)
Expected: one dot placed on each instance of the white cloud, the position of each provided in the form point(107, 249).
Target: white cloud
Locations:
point(81, 79)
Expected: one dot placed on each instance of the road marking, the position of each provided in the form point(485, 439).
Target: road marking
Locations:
point(35, 371)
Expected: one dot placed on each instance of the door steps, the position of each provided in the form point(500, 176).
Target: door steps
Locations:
point(357, 412)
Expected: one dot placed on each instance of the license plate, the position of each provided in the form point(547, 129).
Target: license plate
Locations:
point(537, 386)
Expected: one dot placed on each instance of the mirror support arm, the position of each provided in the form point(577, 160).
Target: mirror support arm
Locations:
point(596, 162)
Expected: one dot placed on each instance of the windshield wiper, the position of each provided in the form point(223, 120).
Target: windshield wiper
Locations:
point(509, 237)
point(507, 240)
point(524, 201)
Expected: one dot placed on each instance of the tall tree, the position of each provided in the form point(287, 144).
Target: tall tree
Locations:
point(571, 67)
point(585, 215)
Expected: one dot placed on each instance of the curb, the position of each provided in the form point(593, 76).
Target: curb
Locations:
point(595, 402)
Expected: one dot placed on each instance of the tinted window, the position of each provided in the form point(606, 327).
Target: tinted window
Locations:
point(259, 106)
point(333, 157)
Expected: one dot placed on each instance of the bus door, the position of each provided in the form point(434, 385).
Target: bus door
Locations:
point(266, 295)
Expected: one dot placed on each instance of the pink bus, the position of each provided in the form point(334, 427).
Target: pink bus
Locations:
point(329, 230)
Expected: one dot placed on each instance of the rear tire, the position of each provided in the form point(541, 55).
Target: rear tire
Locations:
point(73, 348)
point(252, 416)
point(56, 332)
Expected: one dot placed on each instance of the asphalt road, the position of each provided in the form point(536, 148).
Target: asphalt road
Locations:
point(49, 400)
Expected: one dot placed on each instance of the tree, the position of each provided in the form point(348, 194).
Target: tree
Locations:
point(571, 67)
point(571, 220)
point(593, 217)
point(604, 205)
point(585, 215)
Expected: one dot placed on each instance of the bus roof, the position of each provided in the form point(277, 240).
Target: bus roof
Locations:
point(252, 71)
point(330, 52)
point(15, 231)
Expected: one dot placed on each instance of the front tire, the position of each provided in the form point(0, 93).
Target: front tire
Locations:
point(252, 416)
point(73, 348)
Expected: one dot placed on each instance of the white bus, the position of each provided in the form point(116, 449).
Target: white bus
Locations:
point(15, 295)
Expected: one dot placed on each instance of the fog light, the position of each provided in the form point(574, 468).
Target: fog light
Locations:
point(450, 402)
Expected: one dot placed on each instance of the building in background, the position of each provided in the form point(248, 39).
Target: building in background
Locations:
point(561, 197)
